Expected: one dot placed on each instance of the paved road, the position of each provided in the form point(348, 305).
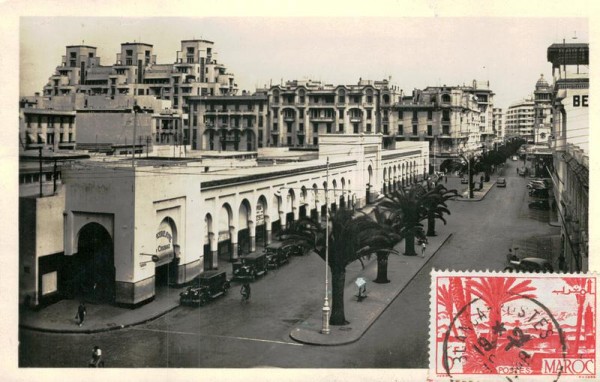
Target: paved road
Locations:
point(229, 334)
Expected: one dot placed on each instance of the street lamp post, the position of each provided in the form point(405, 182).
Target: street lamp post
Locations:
point(326, 309)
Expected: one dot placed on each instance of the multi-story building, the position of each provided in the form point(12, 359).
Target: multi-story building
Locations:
point(104, 96)
point(570, 145)
point(227, 123)
point(136, 72)
point(519, 120)
point(542, 111)
point(447, 117)
point(498, 123)
point(485, 102)
point(301, 110)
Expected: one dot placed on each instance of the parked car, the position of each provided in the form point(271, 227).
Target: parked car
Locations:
point(540, 205)
point(207, 286)
point(539, 193)
point(515, 158)
point(464, 180)
point(250, 266)
point(522, 171)
point(537, 185)
point(529, 264)
point(501, 182)
point(277, 255)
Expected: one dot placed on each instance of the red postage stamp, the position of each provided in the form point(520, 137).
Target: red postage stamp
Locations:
point(513, 326)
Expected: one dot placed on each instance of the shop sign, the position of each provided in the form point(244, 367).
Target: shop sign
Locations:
point(260, 214)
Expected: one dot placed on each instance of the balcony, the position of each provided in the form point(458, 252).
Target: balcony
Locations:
point(355, 119)
point(289, 118)
point(322, 118)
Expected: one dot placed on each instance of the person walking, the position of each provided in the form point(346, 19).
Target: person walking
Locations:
point(96, 360)
point(81, 312)
point(245, 292)
point(423, 248)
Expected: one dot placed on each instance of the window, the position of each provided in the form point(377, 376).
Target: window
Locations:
point(429, 130)
point(385, 129)
point(369, 99)
point(315, 141)
point(195, 120)
point(289, 127)
point(355, 127)
point(368, 113)
point(301, 99)
point(301, 126)
point(73, 55)
point(429, 115)
point(260, 121)
point(289, 141)
point(341, 99)
point(341, 128)
point(400, 114)
point(446, 130)
point(414, 130)
point(415, 115)
point(341, 113)
point(275, 127)
point(329, 128)
point(446, 115)
point(368, 127)
point(315, 128)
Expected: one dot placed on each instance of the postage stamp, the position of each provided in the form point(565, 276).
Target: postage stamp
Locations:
point(513, 326)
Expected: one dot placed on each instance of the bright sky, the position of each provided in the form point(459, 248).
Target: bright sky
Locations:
point(415, 52)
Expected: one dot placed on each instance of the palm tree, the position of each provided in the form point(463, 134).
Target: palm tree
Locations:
point(435, 203)
point(578, 284)
point(406, 213)
point(495, 292)
point(350, 239)
point(383, 219)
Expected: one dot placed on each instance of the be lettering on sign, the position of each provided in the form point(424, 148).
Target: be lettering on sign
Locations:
point(530, 327)
point(580, 100)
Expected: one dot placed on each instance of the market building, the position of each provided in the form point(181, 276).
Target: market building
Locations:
point(131, 226)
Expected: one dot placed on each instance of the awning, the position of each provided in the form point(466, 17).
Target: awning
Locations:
point(163, 258)
point(42, 137)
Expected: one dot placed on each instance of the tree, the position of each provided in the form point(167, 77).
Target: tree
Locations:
point(407, 210)
point(386, 225)
point(435, 204)
point(350, 239)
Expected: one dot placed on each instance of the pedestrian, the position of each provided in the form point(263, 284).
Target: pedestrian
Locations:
point(245, 292)
point(423, 248)
point(81, 312)
point(96, 360)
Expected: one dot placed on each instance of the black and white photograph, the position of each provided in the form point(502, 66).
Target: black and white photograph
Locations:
point(250, 195)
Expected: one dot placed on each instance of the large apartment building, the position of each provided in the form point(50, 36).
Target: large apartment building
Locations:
point(520, 120)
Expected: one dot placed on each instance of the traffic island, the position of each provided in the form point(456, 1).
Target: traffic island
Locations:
point(362, 314)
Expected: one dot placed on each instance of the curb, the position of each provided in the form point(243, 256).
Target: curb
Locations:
point(479, 199)
point(91, 331)
point(372, 321)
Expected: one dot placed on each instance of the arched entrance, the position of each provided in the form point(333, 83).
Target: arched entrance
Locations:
point(92, 273)
point(167, 251)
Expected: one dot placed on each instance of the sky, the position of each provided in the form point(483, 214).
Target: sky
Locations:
point(415, 52)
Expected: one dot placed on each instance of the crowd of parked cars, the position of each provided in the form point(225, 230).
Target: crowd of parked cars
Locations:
point(211, 284)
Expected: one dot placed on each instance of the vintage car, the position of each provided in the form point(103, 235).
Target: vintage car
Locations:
point(207, 286)
point(297, 250)
point(250, 266)
point(529, 264)
point(501, 182)
point(277, 255)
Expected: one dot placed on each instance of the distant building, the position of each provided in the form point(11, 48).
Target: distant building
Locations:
point(447, 117)
point(542, 111)
point(498, 123)
point(570, 145)
point(520, 120)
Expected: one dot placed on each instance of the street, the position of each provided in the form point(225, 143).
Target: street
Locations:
point(229, 334)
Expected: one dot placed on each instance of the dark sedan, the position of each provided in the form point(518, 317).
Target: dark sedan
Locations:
point(529, 264)
point(540, 205)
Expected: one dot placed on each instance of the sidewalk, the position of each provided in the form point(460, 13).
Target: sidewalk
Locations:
point(60, 316)
point(401, 270)
point(478, 195)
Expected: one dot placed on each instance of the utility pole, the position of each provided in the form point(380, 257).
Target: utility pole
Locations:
point(326, 309)
point(40, 161)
